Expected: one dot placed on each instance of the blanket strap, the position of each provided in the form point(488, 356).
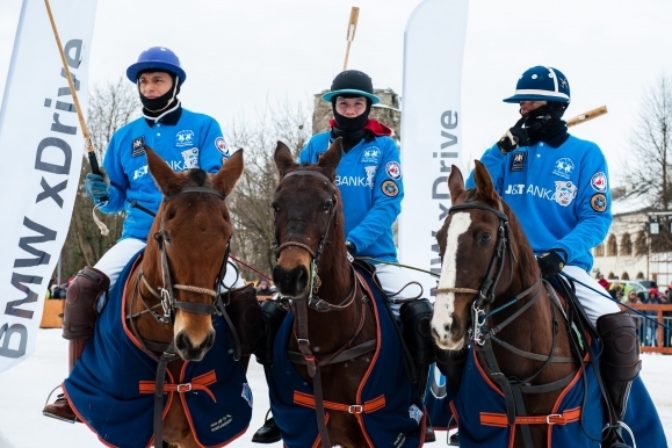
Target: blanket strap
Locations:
point(309, 401)
point(501, 420)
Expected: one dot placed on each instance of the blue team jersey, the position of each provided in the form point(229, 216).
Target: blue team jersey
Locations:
point(560, 195)
point(194, 141)
point(369, 179)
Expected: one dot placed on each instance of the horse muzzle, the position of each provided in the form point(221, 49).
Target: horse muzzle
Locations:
point(292, 282)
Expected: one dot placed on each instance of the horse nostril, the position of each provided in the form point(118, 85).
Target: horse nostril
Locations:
point(181, 341)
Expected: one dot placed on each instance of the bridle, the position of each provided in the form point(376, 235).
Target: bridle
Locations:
point(166, 291)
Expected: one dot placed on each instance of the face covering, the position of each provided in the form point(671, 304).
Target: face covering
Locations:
point(545, 124)
point(155, 106)
point(350, 129)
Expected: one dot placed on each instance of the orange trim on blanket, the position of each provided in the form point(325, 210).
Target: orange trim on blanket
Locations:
point(502, 421)
point(200, 382)
point(308, 400)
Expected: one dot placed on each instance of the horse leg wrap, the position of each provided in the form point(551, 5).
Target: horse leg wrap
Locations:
point(246, 316)
point(451, 364)
point(620, 362)
point(273, 313)
point(79, 314)
point(416, 319)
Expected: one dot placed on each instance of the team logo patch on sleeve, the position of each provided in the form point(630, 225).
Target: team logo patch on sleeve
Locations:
point(220, 144)
point(390, 188)
point(598, 202)
point(393, 170)
point(138, 146)
point(599, 181)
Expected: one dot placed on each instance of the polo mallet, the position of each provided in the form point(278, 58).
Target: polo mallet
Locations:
point(586, 116)
point(352, 27)
point(93, 161)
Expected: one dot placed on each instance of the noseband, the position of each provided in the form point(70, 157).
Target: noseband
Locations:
point(166, 292)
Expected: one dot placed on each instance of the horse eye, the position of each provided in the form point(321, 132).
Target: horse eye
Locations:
point(327, 205)
point(484, 238)
point(170, 213)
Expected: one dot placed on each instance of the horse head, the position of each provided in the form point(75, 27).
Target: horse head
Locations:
point(188, 248)
point(308, 220)
point(480, 247)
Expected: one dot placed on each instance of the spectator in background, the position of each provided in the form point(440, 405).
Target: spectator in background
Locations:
point(633, 298)
point(603, 282)
point(264, 288)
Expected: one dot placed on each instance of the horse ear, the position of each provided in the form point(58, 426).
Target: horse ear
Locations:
point(283, 158)
point(455, 182)
point(227, 177)
point(329, 160)
point(163, 174)
point(484, 181)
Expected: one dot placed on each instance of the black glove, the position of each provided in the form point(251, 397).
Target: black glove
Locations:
point(551, 263)
point(350, 246)
point(514, 137)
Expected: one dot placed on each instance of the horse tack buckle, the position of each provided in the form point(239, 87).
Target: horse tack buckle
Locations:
point(182, 388)
point(478, 318)
point(355, 409)
point(555, 419)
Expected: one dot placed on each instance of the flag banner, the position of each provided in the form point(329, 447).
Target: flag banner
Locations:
point(430, 128)
point(41, 144)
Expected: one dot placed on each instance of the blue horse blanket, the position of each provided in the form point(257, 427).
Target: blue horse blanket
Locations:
point(111, 387)
point(480, 410)
point(389, 410)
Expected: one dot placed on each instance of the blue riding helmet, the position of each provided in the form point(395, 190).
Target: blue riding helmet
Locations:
point(157, 59)
point(541, 84)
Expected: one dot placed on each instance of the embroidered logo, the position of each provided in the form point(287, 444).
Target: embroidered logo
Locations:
point(599, 202)
point(370, 174)
point(599, 181)
point(565, 192)
point(220, 144)
point(393, 170)
point(371, 155)
point(564, 167)
point(190, 158)
point(138, 146)
point(518, 161)
point(390, 188)
point(184, 137)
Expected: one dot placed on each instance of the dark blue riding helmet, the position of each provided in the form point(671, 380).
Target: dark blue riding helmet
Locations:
point(541, 84)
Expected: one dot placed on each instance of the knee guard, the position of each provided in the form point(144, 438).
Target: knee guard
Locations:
point(416, 317)
point(79, 313)
point(246, 317)
point(273, 313)
point(620, 362)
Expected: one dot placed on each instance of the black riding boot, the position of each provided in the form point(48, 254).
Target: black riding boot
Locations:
point(619, 366)
point(273, 314)
point(79, 317)
point(416, 319)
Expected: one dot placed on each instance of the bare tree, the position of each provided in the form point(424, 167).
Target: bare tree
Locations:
point(254, 240)
point(110, 107)
point(649, 173)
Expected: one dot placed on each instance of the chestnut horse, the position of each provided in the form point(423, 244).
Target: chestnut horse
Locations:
point(161, 355)
point(491, 296)
point(335, 326)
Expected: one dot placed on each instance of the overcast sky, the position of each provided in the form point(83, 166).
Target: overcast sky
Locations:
point(241, 55)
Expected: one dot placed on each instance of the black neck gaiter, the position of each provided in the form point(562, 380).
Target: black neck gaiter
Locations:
point(545, 124)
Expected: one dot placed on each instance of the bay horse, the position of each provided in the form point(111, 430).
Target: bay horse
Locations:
point(333, 338)
point(171, 307)
point(491, 296)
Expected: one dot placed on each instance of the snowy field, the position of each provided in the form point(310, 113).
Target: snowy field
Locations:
point(24, 388)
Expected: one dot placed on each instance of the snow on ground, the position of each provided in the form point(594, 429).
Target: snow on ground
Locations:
point(24, 388)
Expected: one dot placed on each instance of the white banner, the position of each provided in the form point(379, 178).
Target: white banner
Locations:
point(430, 127)
point(41, 148)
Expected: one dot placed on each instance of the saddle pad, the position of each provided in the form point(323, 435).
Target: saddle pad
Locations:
point(110, 388)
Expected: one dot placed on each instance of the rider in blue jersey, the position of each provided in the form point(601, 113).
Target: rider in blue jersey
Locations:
point(557, 185)
point(185, 140)
point(370, 181)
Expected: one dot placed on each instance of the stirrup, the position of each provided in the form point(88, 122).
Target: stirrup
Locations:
point(60, 409)
point(613, 435)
